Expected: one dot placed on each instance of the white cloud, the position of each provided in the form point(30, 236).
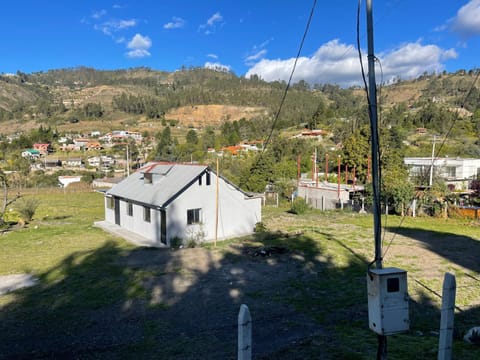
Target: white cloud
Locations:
point(210, 26)
point(217, 66)
point(112, 26)
point(257, 53)
point(412, 59)
point(338, 63)
point(176, 23)
point(138, 53)
point(255, 57)
point(98, 14)
point(212, 56)
point(139, 46)
point(467, 21)
point(214, 19)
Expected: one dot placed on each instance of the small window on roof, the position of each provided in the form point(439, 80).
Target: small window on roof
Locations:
point(148, 178)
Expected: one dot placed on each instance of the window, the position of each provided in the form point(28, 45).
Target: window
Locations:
point(110, 202)
point(129, 208)
point(451, 171)
point(193, 216)
point(147, 178)
point(200, 180)
point(146, 214)
point(208, 179)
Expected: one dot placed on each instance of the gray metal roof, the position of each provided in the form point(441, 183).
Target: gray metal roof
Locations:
point(167, 181)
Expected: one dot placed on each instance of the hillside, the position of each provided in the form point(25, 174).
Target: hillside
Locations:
point(142, 99)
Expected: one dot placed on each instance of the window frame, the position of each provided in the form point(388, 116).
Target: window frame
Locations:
point(110, 202)
point(147, 214)
point(129, 208)
point(194, 216)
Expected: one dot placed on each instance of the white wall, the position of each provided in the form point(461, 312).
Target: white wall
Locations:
point(135, 223)
point(236, 217)
point(237, 214)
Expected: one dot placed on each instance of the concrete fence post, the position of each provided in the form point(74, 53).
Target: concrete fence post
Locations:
point(447, 316)
point(244, 333)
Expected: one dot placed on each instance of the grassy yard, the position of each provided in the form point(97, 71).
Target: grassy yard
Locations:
point(321, 275)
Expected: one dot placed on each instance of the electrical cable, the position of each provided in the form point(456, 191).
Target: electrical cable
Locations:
point(282, 101)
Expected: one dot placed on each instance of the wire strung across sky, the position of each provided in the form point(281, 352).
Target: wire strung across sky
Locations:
point(282, 101)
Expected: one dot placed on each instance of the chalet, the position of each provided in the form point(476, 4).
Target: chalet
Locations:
point(166, 201)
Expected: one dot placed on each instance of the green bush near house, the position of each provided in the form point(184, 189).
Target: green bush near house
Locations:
point(299, 206)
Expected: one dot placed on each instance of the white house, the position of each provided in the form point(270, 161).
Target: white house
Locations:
point(164, 201)
point(456, 172)
point(64, 181)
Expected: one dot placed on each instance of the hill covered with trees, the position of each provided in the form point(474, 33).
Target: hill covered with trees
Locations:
point(192, 110)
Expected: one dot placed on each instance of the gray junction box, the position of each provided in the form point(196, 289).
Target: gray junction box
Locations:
point(387, 301)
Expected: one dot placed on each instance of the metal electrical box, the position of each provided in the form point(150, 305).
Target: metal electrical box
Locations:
point(387, 300)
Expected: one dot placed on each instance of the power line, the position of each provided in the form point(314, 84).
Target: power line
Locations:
point(282, 101)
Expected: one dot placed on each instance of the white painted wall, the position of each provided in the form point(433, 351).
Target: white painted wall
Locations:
point(237, 214)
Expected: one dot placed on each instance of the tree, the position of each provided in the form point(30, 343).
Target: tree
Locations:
point(6, 201)
point(166, 146)
point(192, 138)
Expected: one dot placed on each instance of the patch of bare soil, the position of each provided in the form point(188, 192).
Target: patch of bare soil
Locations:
point(201, 292)
point(214, 115)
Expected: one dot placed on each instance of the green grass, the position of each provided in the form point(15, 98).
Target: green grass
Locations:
point(80, 267)
point(62, 226)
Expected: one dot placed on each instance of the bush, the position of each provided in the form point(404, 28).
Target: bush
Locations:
point(299, 206)
point(26, 208)
point(260, 227)
point(176, 242)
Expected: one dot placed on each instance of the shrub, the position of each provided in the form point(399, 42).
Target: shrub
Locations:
point(299, 206)
point(260, 227)
point(26, 207)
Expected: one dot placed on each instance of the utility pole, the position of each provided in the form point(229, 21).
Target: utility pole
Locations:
point(372, 107)
point(430, 182)
point(128, 163)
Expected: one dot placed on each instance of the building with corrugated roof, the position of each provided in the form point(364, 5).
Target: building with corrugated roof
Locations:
point(163, 201)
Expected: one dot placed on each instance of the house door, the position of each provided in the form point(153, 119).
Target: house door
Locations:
point(117, 211)
point(163, 227)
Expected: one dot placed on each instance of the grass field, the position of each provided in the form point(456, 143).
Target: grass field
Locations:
point(88, 299)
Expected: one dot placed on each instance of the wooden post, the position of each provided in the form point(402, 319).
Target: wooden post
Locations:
point(338, 179)
point(244, 334)
point(326, 168)
point(447, 316)
point(298, 171)
point(216, 208)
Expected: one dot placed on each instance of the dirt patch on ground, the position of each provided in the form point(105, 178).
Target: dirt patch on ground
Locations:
point(214, 115)
point(185, 300)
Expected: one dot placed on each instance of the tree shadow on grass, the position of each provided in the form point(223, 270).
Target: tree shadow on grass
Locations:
point(114, 302)
point(458, 249)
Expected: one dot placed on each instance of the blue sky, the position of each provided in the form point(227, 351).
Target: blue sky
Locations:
point(247, 37)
